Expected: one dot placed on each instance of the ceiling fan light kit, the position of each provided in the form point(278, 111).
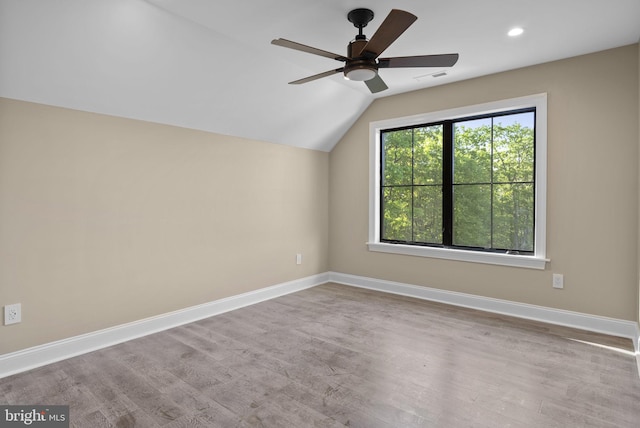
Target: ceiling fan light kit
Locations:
point(360, 71)
point(360, 74)
point(361, 62)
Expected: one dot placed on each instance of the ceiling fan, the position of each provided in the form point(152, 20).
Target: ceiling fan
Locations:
point(362, 62)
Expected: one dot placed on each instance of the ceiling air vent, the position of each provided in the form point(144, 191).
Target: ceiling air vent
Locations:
point(438, 73)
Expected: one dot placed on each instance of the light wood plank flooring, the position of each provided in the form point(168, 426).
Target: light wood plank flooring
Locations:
point(335, 356)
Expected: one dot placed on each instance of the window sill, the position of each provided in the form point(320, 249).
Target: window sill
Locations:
point(530, 262)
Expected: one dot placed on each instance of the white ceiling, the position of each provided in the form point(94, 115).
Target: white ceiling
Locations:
point(209, 65)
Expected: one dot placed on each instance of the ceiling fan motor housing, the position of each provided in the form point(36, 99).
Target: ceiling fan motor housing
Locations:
point(359, 68)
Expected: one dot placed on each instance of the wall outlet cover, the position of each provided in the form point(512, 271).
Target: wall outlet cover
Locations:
point(558, 280)
point(12, 314)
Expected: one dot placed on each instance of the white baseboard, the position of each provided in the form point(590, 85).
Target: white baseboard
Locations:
point(37, 356)
point(611, 326)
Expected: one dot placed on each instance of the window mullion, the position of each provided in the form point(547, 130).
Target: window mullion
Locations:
point(491, 186)
point(447, 183)
point(413, 190)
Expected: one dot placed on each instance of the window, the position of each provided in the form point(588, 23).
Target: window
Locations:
point(465, 184)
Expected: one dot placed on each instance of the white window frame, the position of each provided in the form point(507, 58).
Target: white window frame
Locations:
point(536, 261)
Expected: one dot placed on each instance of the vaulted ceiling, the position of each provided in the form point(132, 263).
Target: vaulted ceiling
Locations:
point(209, 65)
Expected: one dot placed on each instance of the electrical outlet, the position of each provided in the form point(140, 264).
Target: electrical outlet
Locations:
point(12, 314)
point(558, 280)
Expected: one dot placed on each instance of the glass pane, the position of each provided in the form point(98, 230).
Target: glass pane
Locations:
point(513, 152)
point(513, 222)
point(427, 214)
point(397, 157)
point(427, 155)
point(472, 151)
point(396, 209)
point(472, 215)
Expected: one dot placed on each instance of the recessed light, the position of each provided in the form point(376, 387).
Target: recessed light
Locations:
point(516, 31)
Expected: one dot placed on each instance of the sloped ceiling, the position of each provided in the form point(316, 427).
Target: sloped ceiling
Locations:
point(209, 65)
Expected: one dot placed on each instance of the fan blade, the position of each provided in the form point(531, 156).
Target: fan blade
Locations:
point(376, 84)
point(308, 49)
point(391, 28)
point(445, 60)
point(317, 76)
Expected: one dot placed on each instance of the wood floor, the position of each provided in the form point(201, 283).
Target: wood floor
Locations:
point(335, 356)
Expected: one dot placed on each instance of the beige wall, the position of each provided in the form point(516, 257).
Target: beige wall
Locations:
point(106, 220)
point(592, 202)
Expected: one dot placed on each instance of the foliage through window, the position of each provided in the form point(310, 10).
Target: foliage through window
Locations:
point(466, 183)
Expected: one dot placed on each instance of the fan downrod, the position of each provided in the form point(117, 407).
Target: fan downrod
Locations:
point(360, 18)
